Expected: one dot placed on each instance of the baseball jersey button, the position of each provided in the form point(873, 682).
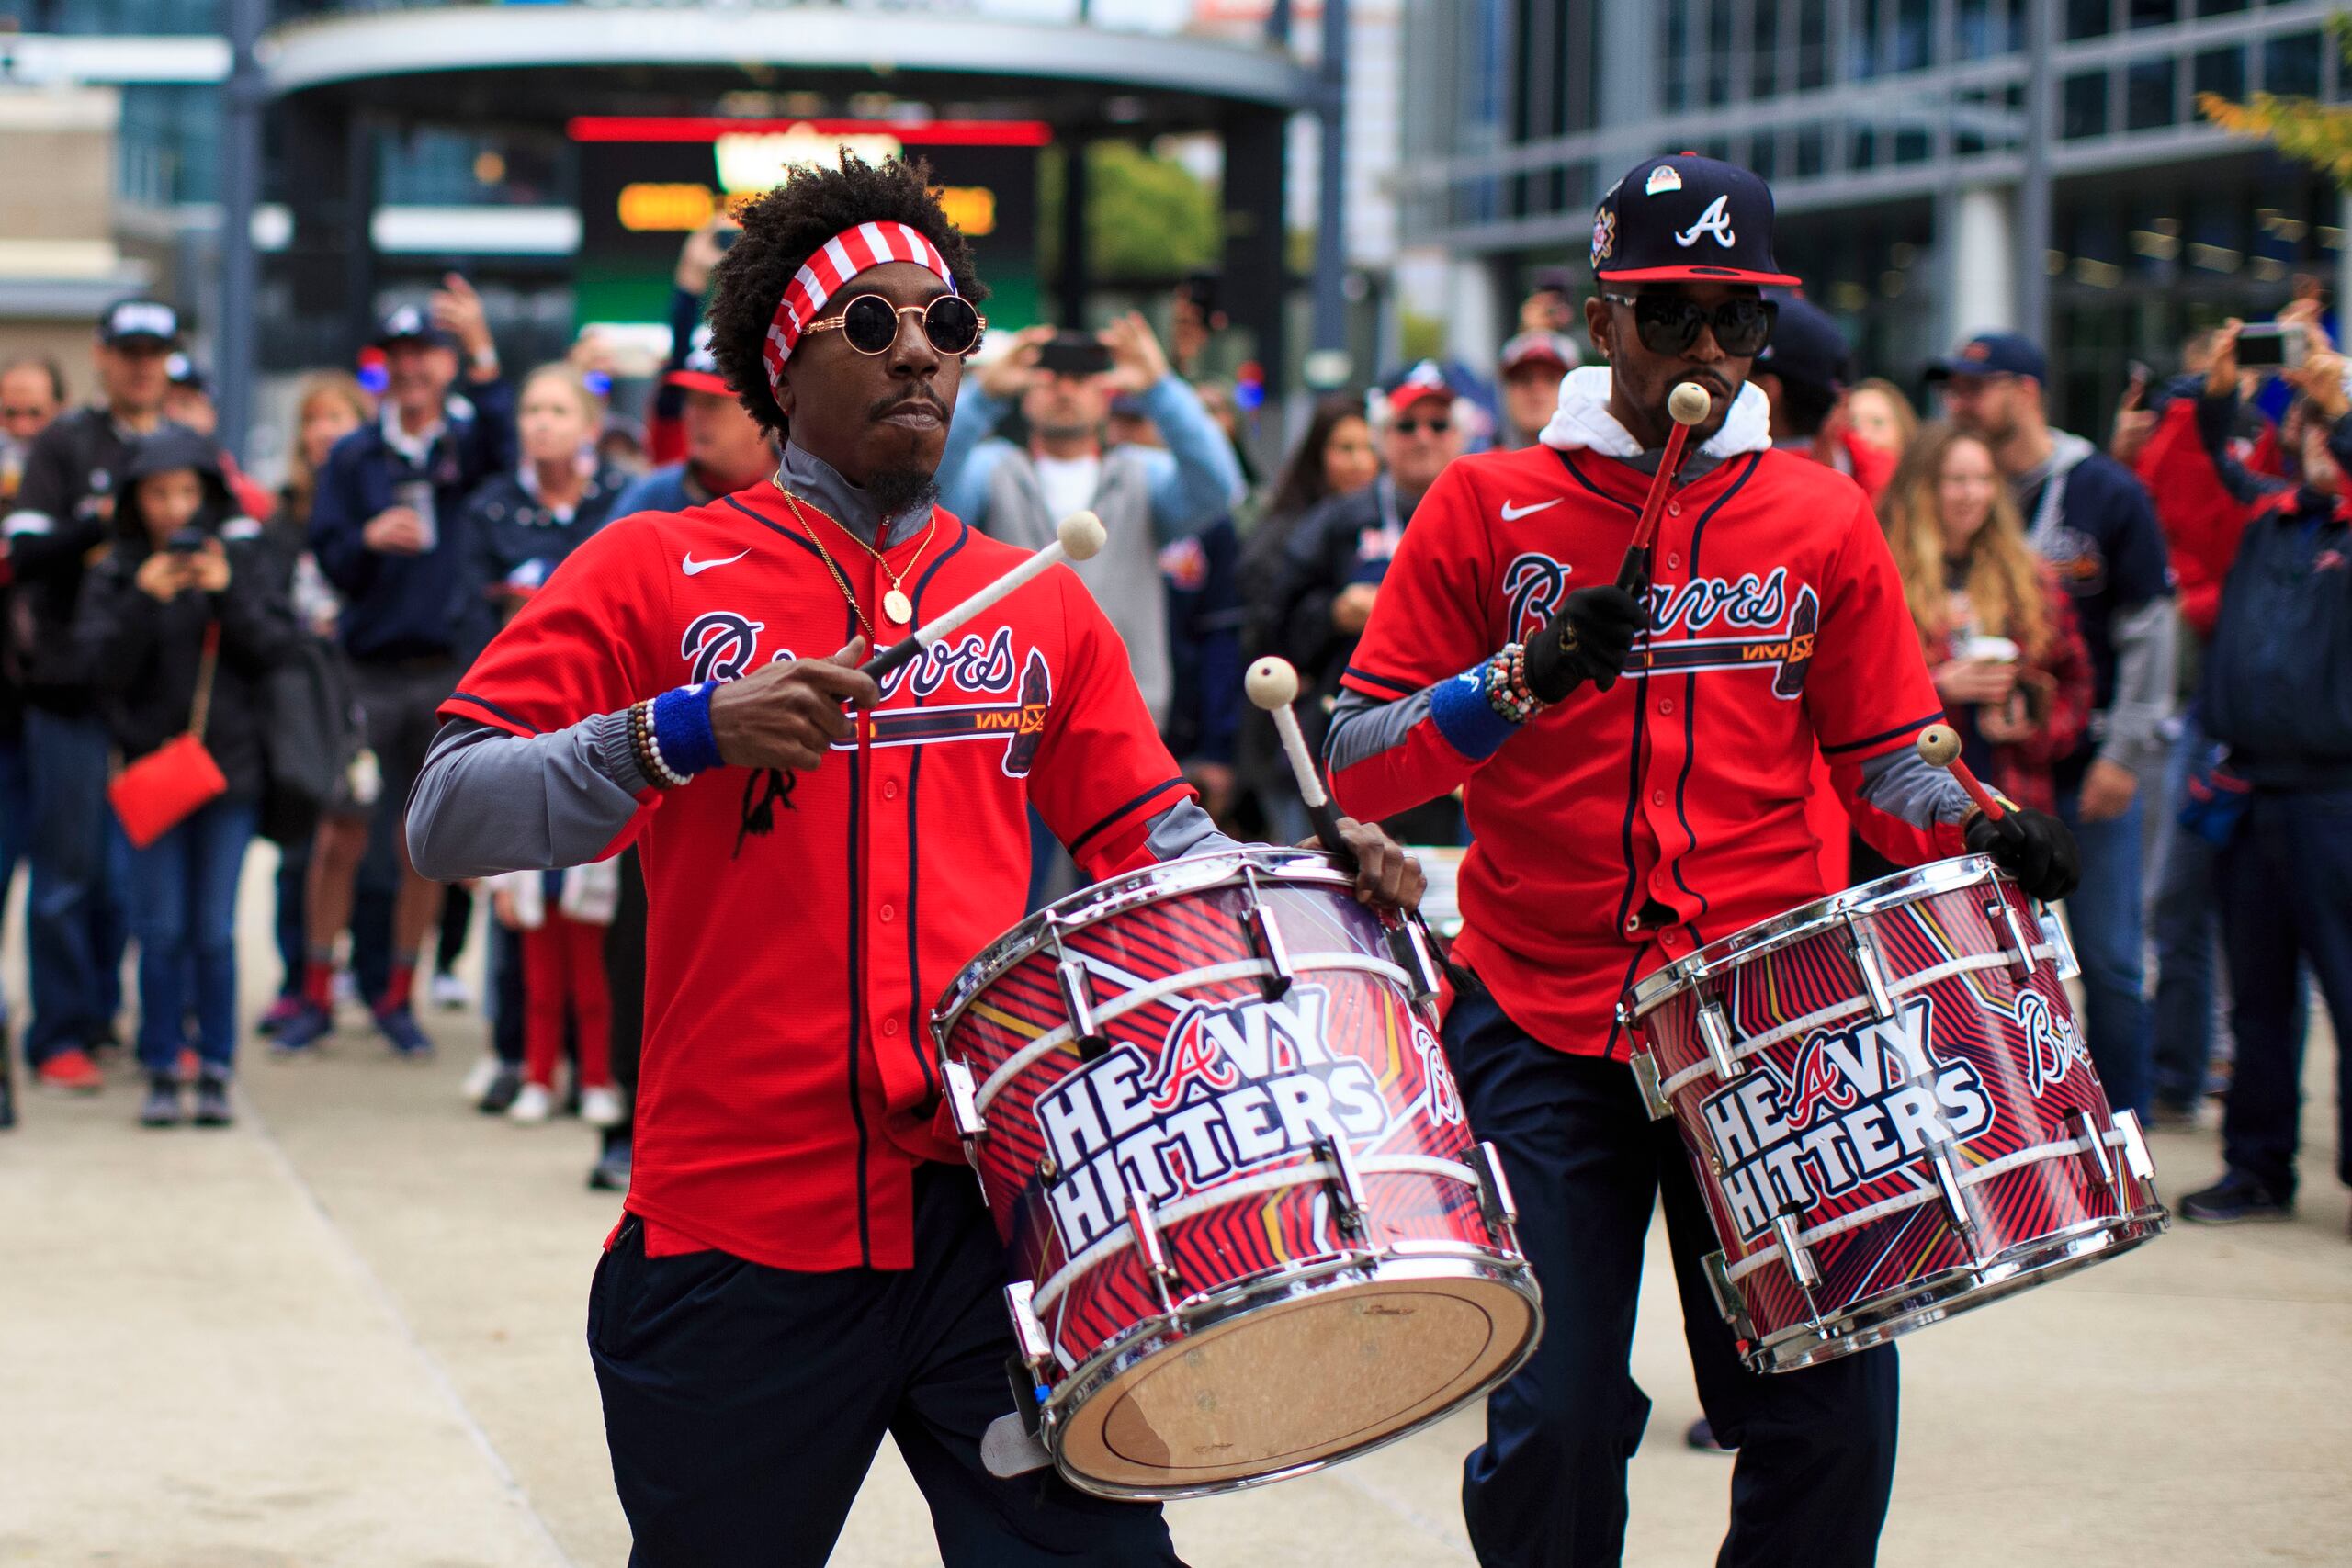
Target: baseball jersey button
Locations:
point(1674, 509)
point(887, 914)
point(1666, 705)
point(890, 789)
point(1674, 561)
point(1657, 797)
point(1633, 924)
point(890, 1027)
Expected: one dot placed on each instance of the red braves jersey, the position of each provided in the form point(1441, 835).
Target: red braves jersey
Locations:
point(1618, 831)
point(788, 1087)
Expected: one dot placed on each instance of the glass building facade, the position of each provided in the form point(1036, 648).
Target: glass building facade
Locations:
point(1920, 150)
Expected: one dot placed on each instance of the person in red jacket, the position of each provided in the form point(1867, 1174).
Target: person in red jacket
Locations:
point(1636, 775)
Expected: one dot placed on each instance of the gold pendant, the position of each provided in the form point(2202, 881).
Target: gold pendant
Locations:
point(898, 607)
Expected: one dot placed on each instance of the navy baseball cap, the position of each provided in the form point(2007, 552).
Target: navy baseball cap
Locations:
point(1806, 346)
point(138, 321)
point(699, 372)
point(1994, 353)
point(1686, 219)
point(409, 323)
point(186, 372)
point(1409, 386)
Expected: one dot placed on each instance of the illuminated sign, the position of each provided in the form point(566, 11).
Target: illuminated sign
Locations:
point(909, 133)
point(759, 161)
point(652, 206)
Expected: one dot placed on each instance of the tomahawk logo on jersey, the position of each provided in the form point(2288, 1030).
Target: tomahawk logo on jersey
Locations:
point(1617, 831)
point(786, 1093)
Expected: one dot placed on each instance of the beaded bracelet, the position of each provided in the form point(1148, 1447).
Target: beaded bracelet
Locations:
point(648, 749)
point(1506, 685)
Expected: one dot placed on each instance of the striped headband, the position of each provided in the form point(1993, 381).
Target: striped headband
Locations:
point(835, 262)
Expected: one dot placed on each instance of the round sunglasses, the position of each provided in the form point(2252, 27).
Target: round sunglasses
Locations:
point(870, 323)
point(1669, 323)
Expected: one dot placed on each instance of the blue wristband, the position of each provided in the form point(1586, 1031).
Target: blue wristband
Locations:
point(1463, 713)
point(682, 729)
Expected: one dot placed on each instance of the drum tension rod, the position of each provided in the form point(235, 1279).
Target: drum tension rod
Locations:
point(2020, 947)
point(1348, 1202)
point(1164, 1278)
point(963, 1102)
point(1266, 939)
point(1078, 1000)
point(1795, 1253)
point(1714, 1032)
point(2136, 1158)
point(1495, 1204)
point(2098, 1170)
point(1730, 1300)
point(1863, 947)
point(1646, 1083)
point(1031, 1351)
point(1408, 945)
point(1955, 1196)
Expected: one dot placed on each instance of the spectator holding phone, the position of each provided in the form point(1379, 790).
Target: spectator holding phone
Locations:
point(2277, 694)
point(2001, 640)
point(180, 625)
point(389, 526)
point(1147, 497)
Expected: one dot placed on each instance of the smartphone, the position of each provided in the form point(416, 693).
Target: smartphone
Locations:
point(185, 541)
point(2267, 345)
point(1074, 353)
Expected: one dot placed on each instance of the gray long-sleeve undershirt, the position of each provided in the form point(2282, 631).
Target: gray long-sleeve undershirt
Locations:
point(489, 802)
point(1896, 782)
point(2131, 731)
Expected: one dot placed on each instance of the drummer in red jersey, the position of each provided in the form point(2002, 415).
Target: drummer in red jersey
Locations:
point(1621, 823)
point(804, 1262)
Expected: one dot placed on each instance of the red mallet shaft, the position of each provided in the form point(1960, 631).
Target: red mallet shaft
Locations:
point(1687, 405)
point(1273, 685)
point(1940, 747)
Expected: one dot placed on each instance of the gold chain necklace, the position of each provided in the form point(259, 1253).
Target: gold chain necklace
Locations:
point(894, 604)
point(840, 580)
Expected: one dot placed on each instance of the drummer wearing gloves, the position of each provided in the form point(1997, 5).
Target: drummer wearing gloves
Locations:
point(1636, 773)
point(804, 1263)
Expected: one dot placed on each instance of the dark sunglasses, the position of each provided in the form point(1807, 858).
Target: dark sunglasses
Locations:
point(870, 323)
point(1415, 427)
point(1669, 323)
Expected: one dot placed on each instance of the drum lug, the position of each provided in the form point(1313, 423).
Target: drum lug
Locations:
point(1408, 945)
point(1078, 989)
point(2020, 946)
point(1863, 947)
point(1495, 1202)
point(2053, 931)
point(1794, 1254)
point(2098, 1170)
point(1955, 1196)
point(1730, 1300)
point(1028, 1335)
point(1266, 940)
point(963, 1102)
point(1646, 1082)
point(1714, 1032)
point(1154, 1252)
point(1347, 1192)
point(2135, 1146)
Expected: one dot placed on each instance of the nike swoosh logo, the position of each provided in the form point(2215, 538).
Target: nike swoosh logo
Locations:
point(1513, 514)
point(696, 568)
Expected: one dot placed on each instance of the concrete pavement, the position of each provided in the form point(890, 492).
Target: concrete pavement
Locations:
point(347, 1331)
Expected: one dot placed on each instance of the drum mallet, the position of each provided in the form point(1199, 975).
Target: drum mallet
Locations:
point(1940, 747)
point(1079, 537)
point(1687, 405)
point(1273, 686)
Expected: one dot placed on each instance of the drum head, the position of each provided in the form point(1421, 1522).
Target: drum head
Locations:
point(1294, 1384)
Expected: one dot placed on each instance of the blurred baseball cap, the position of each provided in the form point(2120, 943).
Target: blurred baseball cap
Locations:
point(1806, 346)
point(698, 372)
point(1994, 353)
point(1534, 349)
point(184, 372)
point(411, 324)
point(1416, 383)
point(138, 321)
point(1686, 219)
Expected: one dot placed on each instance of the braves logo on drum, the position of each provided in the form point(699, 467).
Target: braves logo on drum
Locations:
point(1232, 1086)
point(1859, 1104)
point(2053, 1046)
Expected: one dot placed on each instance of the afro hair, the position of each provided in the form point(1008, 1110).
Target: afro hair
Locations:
point(783, 228)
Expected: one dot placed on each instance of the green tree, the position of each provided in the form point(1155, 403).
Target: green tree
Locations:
point(1147, 218)
point(2303, 129)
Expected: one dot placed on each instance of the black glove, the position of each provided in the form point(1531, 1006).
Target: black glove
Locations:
point(2032, 846)
point(1587, 640)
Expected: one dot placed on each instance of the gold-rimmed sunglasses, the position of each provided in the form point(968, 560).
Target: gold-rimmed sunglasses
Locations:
point(870, 323)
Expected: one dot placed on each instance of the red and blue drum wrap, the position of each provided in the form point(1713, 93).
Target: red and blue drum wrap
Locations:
point(1835, 1114)
point(1209, 1088)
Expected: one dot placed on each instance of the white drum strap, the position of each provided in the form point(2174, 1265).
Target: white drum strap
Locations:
point(1313, 1173)
point(1798, 1027)
point(1054, 1039)
point(1901, 1201)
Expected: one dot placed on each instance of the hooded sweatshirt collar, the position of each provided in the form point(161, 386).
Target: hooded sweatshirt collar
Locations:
point(1583, 423)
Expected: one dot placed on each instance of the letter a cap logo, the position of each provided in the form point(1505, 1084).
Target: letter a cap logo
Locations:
point(1689, 219)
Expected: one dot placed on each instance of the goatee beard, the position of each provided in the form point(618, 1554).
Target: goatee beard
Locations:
point(897, 491)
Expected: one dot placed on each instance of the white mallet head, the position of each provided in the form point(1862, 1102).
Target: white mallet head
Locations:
point(1689, 402)
point(1273, 684)
point(1081, 534)
point(1939, 745)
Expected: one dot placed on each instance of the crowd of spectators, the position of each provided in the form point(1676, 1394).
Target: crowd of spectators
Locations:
point(2151, 636)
